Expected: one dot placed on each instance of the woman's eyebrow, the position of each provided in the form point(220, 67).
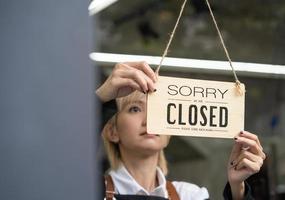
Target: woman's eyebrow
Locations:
point(135, 102)
point(138, 101)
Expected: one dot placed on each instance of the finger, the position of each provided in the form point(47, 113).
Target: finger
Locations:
point(127, 71)
point(250, 156)
point(150, 84)
point(250, 136)
point(141, 78)
point(235, 152)
point(252, 144)
point(143, 66)
point(125, 82)
point(249, 165)
point(135, 75)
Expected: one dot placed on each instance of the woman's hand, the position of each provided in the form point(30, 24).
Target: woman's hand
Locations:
point(126, 78)
point(246, 159)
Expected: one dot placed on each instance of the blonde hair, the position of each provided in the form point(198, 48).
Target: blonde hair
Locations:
point(112, 148)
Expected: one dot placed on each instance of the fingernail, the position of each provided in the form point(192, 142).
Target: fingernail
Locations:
point(245, 148)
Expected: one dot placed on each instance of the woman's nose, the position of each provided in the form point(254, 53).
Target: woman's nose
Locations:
point(144, 120)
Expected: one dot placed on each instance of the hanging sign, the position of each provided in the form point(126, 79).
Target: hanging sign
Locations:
point(193, 107)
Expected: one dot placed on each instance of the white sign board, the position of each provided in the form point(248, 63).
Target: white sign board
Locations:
point(193, 107)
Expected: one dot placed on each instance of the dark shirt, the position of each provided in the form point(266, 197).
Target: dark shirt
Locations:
point(247, 194)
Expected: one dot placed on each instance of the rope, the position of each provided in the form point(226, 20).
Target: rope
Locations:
point(225, 48)
point(171, 37)
point(238, 84)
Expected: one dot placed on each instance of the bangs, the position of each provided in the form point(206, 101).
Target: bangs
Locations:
point(134, 96)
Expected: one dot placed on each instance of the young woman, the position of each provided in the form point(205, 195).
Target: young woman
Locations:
point(138, 165)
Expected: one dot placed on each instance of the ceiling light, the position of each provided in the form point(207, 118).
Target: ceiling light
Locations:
point(195, 65)
point(98, 5)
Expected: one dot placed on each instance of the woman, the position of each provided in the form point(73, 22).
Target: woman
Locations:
point(138, 165)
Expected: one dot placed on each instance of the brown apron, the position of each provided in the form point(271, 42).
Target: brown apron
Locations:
point(110, 192)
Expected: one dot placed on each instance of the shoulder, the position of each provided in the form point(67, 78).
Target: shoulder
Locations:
point(186, 190)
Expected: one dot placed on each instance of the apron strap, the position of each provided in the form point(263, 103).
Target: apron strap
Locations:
point(172, 193)
point(110, 189)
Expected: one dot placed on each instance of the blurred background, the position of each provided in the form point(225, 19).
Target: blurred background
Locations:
point(50, 145)
point(253, 31)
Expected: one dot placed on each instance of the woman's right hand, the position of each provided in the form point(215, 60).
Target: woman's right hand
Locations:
point(125, 78)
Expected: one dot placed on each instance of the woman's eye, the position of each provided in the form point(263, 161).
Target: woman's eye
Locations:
point(134, 109)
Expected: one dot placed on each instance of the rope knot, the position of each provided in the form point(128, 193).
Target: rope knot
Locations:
point(238, 87)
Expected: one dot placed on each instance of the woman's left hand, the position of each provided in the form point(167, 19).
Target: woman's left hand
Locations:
point(246, 159)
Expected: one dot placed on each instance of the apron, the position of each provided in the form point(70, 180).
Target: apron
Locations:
point(110, 192)
point(137, 197)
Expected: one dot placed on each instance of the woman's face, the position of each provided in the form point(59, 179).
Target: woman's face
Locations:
point(131, 129)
